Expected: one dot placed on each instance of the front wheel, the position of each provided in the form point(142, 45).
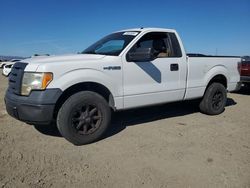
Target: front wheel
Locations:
point(214, 99)
point(84, 117)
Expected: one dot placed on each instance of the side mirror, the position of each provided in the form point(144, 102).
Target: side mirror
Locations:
point(140, 55)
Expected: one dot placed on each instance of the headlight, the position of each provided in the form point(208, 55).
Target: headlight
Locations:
point(35, 81)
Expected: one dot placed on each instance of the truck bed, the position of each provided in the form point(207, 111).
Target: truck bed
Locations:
point(202, 68)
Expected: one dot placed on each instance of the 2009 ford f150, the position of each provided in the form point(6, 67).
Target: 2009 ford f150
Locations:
point(126, 69)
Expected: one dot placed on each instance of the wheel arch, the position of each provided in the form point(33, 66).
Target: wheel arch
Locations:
point(219, 78)
point(219, 74)
point(85, 86)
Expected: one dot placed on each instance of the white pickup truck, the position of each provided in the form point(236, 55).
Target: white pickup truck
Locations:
point(126, 69)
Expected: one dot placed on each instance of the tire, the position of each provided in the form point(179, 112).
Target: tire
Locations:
point(83, 118)
point(214, 99)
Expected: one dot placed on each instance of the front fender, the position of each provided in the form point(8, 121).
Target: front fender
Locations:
point(73, 77)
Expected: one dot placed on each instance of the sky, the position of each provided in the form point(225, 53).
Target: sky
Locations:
point(29, 27)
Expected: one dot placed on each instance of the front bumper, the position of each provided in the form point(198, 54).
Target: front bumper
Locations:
point(37, 108)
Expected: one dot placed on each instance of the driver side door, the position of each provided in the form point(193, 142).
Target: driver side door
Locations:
point(160, 80)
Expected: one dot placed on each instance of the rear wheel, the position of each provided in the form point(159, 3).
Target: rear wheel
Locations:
point(214, 100)
point(83, 118)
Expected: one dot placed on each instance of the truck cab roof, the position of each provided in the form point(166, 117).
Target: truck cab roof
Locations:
point(148, 29)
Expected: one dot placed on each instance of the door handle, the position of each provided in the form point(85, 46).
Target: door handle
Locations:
point(174, 67)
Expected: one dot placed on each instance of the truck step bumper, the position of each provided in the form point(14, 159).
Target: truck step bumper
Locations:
point(245, 79)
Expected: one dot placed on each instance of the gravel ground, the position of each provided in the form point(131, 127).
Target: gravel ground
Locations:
point(171, 145)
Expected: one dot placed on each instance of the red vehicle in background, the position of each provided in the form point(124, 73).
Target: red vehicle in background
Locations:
point(245, 71)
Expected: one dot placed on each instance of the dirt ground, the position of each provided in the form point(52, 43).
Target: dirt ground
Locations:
point(171, 145)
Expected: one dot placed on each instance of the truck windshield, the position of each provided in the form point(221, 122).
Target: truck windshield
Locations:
point(112, 44)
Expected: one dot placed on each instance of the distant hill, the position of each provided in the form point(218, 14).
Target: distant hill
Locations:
point(6, 58)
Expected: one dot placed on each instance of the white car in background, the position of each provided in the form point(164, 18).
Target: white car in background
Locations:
point(8, 65)
point(7, 69)
point(11, 62)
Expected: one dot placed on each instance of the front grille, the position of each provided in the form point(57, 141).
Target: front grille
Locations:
point(15, 78)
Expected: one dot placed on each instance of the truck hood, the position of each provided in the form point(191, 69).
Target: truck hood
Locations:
point(39, 60)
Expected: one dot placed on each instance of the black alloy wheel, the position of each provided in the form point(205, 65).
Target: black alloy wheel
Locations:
point(217, 100)
point(86, 119)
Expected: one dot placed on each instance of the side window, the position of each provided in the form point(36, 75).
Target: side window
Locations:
point(146, 44)
point(163, 44)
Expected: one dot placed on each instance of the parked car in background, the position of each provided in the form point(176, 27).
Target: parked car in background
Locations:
point(11, 62)
point(245, 71)
point(1, 63)
point(7, 69)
